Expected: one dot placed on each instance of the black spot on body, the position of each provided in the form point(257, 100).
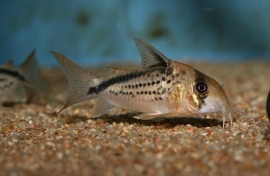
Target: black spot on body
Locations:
point(183, 72)
point(164, 91)
point(169, 81)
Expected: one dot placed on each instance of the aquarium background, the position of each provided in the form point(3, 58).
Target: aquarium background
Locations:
point(95, 32)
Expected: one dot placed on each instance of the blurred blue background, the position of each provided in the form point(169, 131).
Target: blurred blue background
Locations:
point(95, 32)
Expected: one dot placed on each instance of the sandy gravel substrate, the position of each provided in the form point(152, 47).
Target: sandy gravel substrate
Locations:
point(34, 141)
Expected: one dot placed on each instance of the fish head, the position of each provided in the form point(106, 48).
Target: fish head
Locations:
point(214, 96)
point(197, 93)
point(209, 96)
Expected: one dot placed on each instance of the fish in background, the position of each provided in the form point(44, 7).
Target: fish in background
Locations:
point(163, 88)
point(14, 80)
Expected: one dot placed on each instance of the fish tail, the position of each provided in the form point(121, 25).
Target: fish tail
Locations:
point(79, 81)
point(28, 69)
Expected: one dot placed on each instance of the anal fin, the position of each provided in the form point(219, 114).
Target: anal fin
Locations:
point(101, 107)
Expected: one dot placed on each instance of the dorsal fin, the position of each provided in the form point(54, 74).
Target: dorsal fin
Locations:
point(30, 63)
point(29, 71)
point(150, 56)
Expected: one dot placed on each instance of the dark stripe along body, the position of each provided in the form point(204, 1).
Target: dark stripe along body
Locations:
point(12, 73)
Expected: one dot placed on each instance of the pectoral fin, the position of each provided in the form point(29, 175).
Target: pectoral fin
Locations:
point(149, 116)
point(160, 116)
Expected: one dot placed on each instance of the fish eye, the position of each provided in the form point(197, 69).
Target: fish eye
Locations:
point(201, 87)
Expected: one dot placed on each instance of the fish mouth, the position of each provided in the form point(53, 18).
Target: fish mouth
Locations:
point(212, 105)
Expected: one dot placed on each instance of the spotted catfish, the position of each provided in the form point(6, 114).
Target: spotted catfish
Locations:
point(13, 80)
point(163, 88)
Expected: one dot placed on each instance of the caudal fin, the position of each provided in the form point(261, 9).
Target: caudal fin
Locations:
point(79, 81)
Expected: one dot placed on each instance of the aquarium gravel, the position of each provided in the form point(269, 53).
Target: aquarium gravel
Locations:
point(34, 140)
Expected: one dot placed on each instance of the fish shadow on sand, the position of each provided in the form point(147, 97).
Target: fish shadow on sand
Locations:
point(12, 104)
point(9, 104)
point(167, 122)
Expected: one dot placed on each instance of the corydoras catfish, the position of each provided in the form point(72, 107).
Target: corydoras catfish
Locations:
point(162, 88)
point(13, 80)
